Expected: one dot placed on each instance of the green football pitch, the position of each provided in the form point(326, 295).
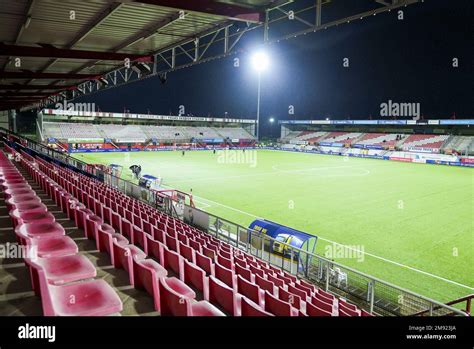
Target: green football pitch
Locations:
point(413, 222)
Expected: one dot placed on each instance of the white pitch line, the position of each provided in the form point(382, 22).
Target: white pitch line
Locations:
point(349, 247)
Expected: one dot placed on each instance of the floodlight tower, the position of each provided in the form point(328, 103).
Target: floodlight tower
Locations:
point(260, 63)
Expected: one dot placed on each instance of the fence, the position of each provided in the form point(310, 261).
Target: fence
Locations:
point(370, 293)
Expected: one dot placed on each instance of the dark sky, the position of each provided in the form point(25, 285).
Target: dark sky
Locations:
point(405, 61)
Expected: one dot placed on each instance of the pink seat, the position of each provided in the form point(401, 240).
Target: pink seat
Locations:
point(123, 258)
point(302, 294)
point(91, 227)
point(17, 191)
point(249, 308)
point(196, 277)
point(153, 248)
point(222, 295)
point(225, 262)
point(205, 263)
point(87, 298)
point(244, 272)
point(173, 261)
point(55, 246)
point(171, 243)
point(40, 230)
point(291, 298)
point(31, 206)
point(104, 237)
point(203, 308)
point(80, 216)
point(139, 237)
point(173, 302)
point(61, 270)
point(313, 310)
point(321, 304)
point(266, 285)
point(251, 291)
point(30, 217)
point(146, 274)
point(227, 276)
point(347, 309)
point(279, 307)
point(186, 252)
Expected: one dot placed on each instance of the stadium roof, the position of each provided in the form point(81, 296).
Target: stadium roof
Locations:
point(61, 44)
point(56, 50)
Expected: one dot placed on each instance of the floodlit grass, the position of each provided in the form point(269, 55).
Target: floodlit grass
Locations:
point(414, 222)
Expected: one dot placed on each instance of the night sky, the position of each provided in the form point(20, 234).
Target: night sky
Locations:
point(403, 61)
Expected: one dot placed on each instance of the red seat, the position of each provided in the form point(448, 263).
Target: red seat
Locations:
point(266, 285)
point(244, 272)
point(313, 310)
point(87, 298)
point(61, 270)
point(276, 281)
point(249, 308)
point(173, 301)
point(227, 276)
point(302, 294)
point(203, 308)
point(205, 263)
point(147, 272)
point(208, 252)
point(123, 258)
point(250, 290)
point(278, 307)
point(224, 296)
point(55, 246)
point(347, 309)
point(196, 277)
point(186, 252)
point(291, 298)
point(153, 248)
point(307, 290)
point(321, 304)
point(31, 207)
point(225, 262)
point(92, 224)
point(171, 243)
point(172, 260)
point(30, 217)
point(139, 237)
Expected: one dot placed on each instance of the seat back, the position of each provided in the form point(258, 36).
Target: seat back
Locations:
point(221, 294)
point(244, 272)
point(172, 303)
point(204, 263)
point(186, 252)
point(194, 275)
point(154, 248)
point(313, 310)
point(289, 297)
point(171, 243)
point(249, 308)
point(277, 306)
point(321, 304)
point(302, 294)
point(248, 289)
point(172, 260)
point(265, 284)
point(224, 274)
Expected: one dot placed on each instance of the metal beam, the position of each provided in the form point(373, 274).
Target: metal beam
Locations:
point(49, 52)
point(231, 11)
point(23, 94)
point(33, 75)
point(16, 87)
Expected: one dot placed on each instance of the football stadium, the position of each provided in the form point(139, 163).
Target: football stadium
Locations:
point(326, 195)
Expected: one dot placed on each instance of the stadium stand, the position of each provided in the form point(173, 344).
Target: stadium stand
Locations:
point(424, 141)
point(383, 139)
point(139, 134)
point(460, 144)
point(172, 267)
point(341, 137)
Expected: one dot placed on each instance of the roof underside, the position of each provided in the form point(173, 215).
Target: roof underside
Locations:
point(81, 39)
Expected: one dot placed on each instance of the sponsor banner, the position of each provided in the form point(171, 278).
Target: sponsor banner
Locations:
point(467, 160)
point(85, 140)
point(342, 122)
point(358, 146)
point(423, 150)
point(130, 140)
point(107, 140)
point(433, 122)
point(377, 147)
point(212, 140)
point(328, 144)
point(52, 140)
point(365, 122)
point(298, 142)
point(396, 158)
point(457, 122)
point(392, 122)
point(420, 161)
point(411, 122)
point(235, 140)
